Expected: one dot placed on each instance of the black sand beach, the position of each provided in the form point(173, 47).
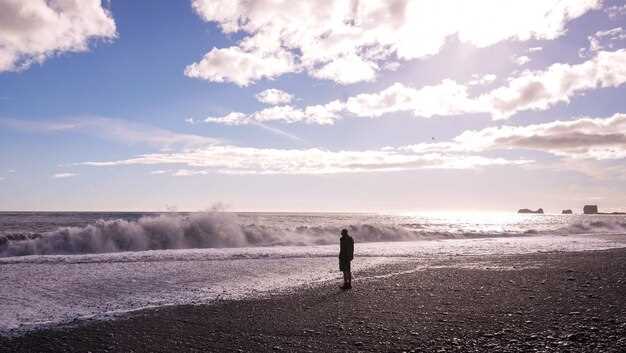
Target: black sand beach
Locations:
point(547, 302)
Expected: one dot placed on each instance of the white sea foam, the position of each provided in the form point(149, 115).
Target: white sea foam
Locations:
point(228, 230)
point(51, 289)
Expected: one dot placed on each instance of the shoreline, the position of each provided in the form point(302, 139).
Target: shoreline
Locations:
point(547, 301)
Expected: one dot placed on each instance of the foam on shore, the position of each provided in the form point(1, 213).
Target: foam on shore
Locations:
point(42, 290)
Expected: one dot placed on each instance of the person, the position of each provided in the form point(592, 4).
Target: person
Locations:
point(346, 253)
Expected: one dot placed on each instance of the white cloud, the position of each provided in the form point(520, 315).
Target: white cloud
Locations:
point(521, 60)
point(315, 114)
point(285, 113)
point(158, 172)
point(189, 172)
point(592, 138)
point(482, 80)
point(348, 41)
point(34, 30)
point(391, 66)
point(446, 98)
point(616, 11)
point(578, 139)
point(63, 175)
point(118, 130)
point(274, 96)
point(234, 118)
point(539, 90)
point(535, 49)
point(529, 90)
point(247, 160)
point(603, 40)
point(582, 138)
point(347, 69)
point(240, 67)
point(1, 178)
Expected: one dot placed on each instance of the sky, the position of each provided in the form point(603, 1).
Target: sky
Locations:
point(330, 105)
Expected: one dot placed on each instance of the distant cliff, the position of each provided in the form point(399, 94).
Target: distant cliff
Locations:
point(526, 210)
point(566, 212)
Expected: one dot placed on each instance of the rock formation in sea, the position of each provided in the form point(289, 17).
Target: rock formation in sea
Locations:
point(590, 209)
point(593, 209)
point(526, 210)
point(566, 212)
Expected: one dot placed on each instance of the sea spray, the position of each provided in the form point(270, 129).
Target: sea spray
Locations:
point(211, 229)
point(219, 229)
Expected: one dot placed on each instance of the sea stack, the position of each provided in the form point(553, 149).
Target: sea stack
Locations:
point(526, 210)
point(566, 212)
point(590, 209)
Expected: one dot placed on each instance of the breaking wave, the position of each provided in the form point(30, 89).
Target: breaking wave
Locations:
point(595, 226)
point(198, 230)
point(225, 230)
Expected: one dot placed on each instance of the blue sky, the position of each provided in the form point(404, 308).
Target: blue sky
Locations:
point(390, 106)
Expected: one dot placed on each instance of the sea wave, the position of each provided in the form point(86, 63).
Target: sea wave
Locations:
point(225, 230)
point(198, 230)
point(595, 226)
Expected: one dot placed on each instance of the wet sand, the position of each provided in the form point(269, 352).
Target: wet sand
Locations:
point(546, 302)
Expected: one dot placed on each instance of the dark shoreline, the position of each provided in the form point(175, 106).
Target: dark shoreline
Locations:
point(548, 302)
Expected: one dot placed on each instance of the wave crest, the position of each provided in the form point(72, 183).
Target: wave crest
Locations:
point(198, 230)
point(217, 229)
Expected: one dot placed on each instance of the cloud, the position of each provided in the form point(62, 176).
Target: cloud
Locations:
point(578, 139)
point(158, 172)
point(240, 67)
point(1, 178)
point(247, 160)
point(233, 118)
point(284, 113)
point(446, 98)
point(539, 90)
point(349, 41)
point(482, 80)
point(602, 40)
point(117, 130)
point(273, 96)
point(528, 90)
point(347, 69)
point(63, 175)
point(391, 66)
point(315, 114)
point(582, 138)
point(615, 11)
point(34, 30)
point(535, 49)
point(521, 60)
point(189, 172)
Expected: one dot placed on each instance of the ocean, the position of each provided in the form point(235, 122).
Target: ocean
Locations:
point(59, 267)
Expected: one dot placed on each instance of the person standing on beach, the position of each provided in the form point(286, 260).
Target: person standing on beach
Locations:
point(346, 253)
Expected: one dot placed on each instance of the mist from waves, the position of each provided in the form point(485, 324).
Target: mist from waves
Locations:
point(217, 229)
point(213, 229)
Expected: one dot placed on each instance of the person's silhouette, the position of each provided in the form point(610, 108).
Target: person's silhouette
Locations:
point(346, 253)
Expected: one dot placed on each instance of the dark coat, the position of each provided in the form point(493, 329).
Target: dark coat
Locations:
point(346, 247)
